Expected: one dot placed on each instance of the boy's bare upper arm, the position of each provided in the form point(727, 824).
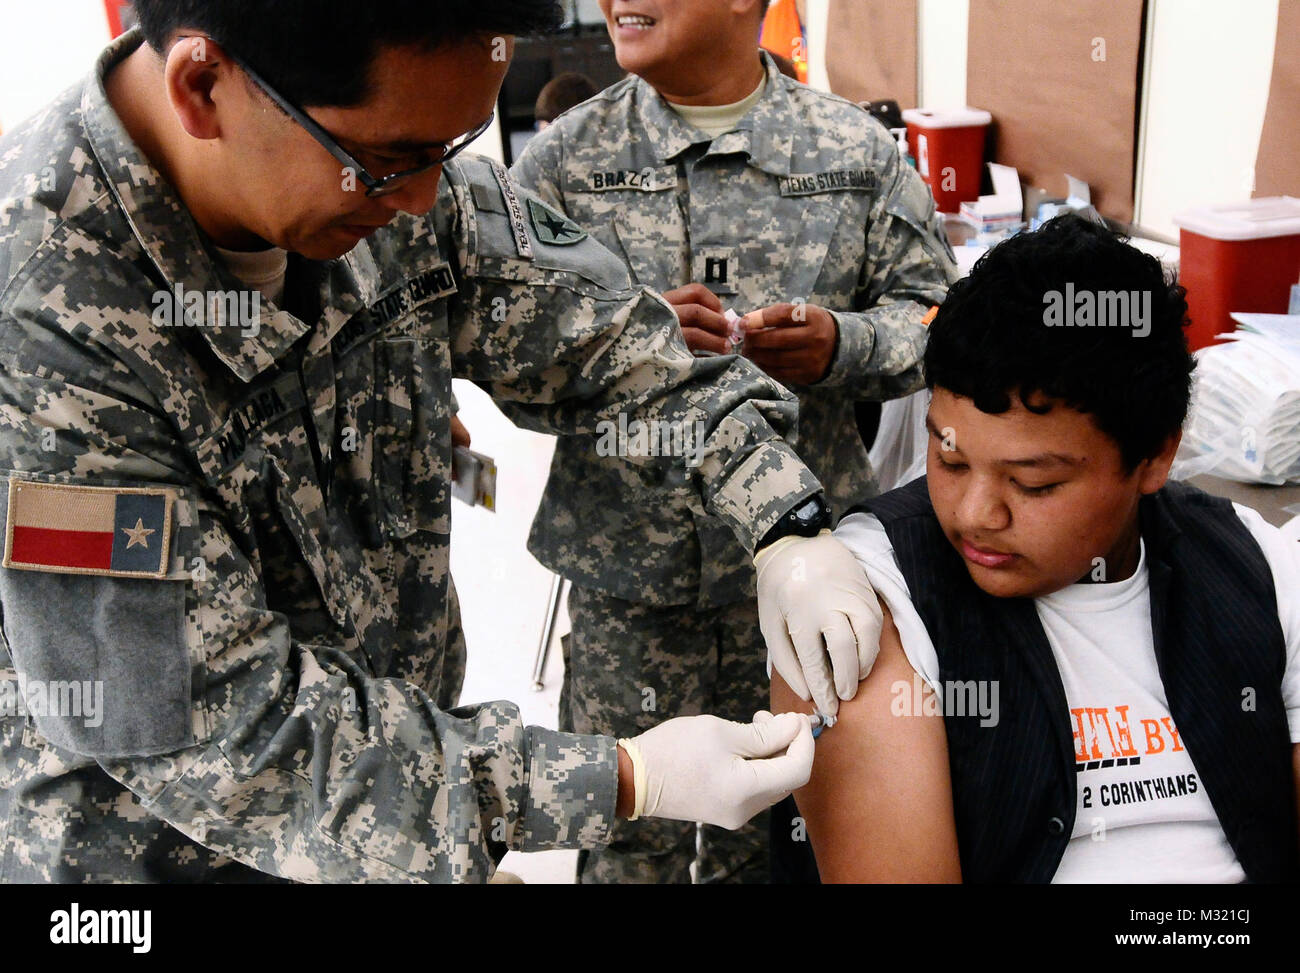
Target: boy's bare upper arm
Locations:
point(878, 807)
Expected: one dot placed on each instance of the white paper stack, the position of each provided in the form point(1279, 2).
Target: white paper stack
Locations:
point(1245, 416)
point(1001, 211)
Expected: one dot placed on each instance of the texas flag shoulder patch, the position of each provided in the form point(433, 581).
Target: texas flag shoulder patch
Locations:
point(71, 529)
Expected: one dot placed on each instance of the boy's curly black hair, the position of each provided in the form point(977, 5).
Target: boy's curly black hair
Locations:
point(1007, 330)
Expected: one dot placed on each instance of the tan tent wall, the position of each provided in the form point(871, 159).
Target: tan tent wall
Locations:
point(1057, 107)
point(1277, 170)
point(871, 50)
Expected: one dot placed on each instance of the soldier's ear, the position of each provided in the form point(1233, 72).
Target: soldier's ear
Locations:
point(194, 66)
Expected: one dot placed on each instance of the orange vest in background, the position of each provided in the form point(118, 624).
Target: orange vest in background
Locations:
point(783, 34)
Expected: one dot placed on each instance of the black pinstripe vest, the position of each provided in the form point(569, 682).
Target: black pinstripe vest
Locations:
point(1217, 635)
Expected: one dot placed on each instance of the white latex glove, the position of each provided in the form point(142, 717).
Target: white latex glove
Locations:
point(820, 617)
point(701, 768)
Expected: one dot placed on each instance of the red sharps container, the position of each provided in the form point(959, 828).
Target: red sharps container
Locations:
point(1237, 257)
point(949, 149)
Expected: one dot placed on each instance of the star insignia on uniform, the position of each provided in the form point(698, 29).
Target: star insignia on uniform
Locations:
point(139, 534)
point(558, 228)
point(553, 228)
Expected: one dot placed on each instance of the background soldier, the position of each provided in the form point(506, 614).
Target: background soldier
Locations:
point(561, 93)
point(228, 330)
point(727, 186)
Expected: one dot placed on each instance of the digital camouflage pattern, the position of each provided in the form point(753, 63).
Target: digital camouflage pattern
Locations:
point(631, 665)
point(308, 608)
point(807, 199)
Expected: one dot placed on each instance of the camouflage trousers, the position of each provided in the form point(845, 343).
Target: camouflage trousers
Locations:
point(629, 666)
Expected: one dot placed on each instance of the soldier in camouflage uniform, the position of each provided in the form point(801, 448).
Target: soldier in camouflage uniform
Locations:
point(237, 526)
point(799, 198)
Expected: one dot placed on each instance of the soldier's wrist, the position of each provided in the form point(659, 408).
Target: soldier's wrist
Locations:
point(806, 519)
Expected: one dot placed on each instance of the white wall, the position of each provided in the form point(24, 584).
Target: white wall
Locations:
point(45, 46)
point(489, 143)
point(942, 52)
point(941, 55)
point(1205, 96)
point(816, 13)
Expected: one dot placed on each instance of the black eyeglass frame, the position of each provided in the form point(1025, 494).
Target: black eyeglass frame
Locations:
point(381, 186)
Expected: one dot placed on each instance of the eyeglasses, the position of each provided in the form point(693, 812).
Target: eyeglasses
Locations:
point(381, 186)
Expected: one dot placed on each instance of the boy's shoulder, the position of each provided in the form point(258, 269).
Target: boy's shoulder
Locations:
point(1180, 513)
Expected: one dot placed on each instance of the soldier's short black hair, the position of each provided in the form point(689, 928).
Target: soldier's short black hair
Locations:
point(1006, 330)
point(319, 52)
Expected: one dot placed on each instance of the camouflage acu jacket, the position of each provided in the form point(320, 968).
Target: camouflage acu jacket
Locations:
point(806, 200)
point(236, 533)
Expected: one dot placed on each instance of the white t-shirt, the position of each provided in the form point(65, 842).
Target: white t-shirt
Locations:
point(1142, 813)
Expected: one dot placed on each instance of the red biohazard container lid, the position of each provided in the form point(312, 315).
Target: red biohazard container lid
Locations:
point(1255, 219)
point(947, 117)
